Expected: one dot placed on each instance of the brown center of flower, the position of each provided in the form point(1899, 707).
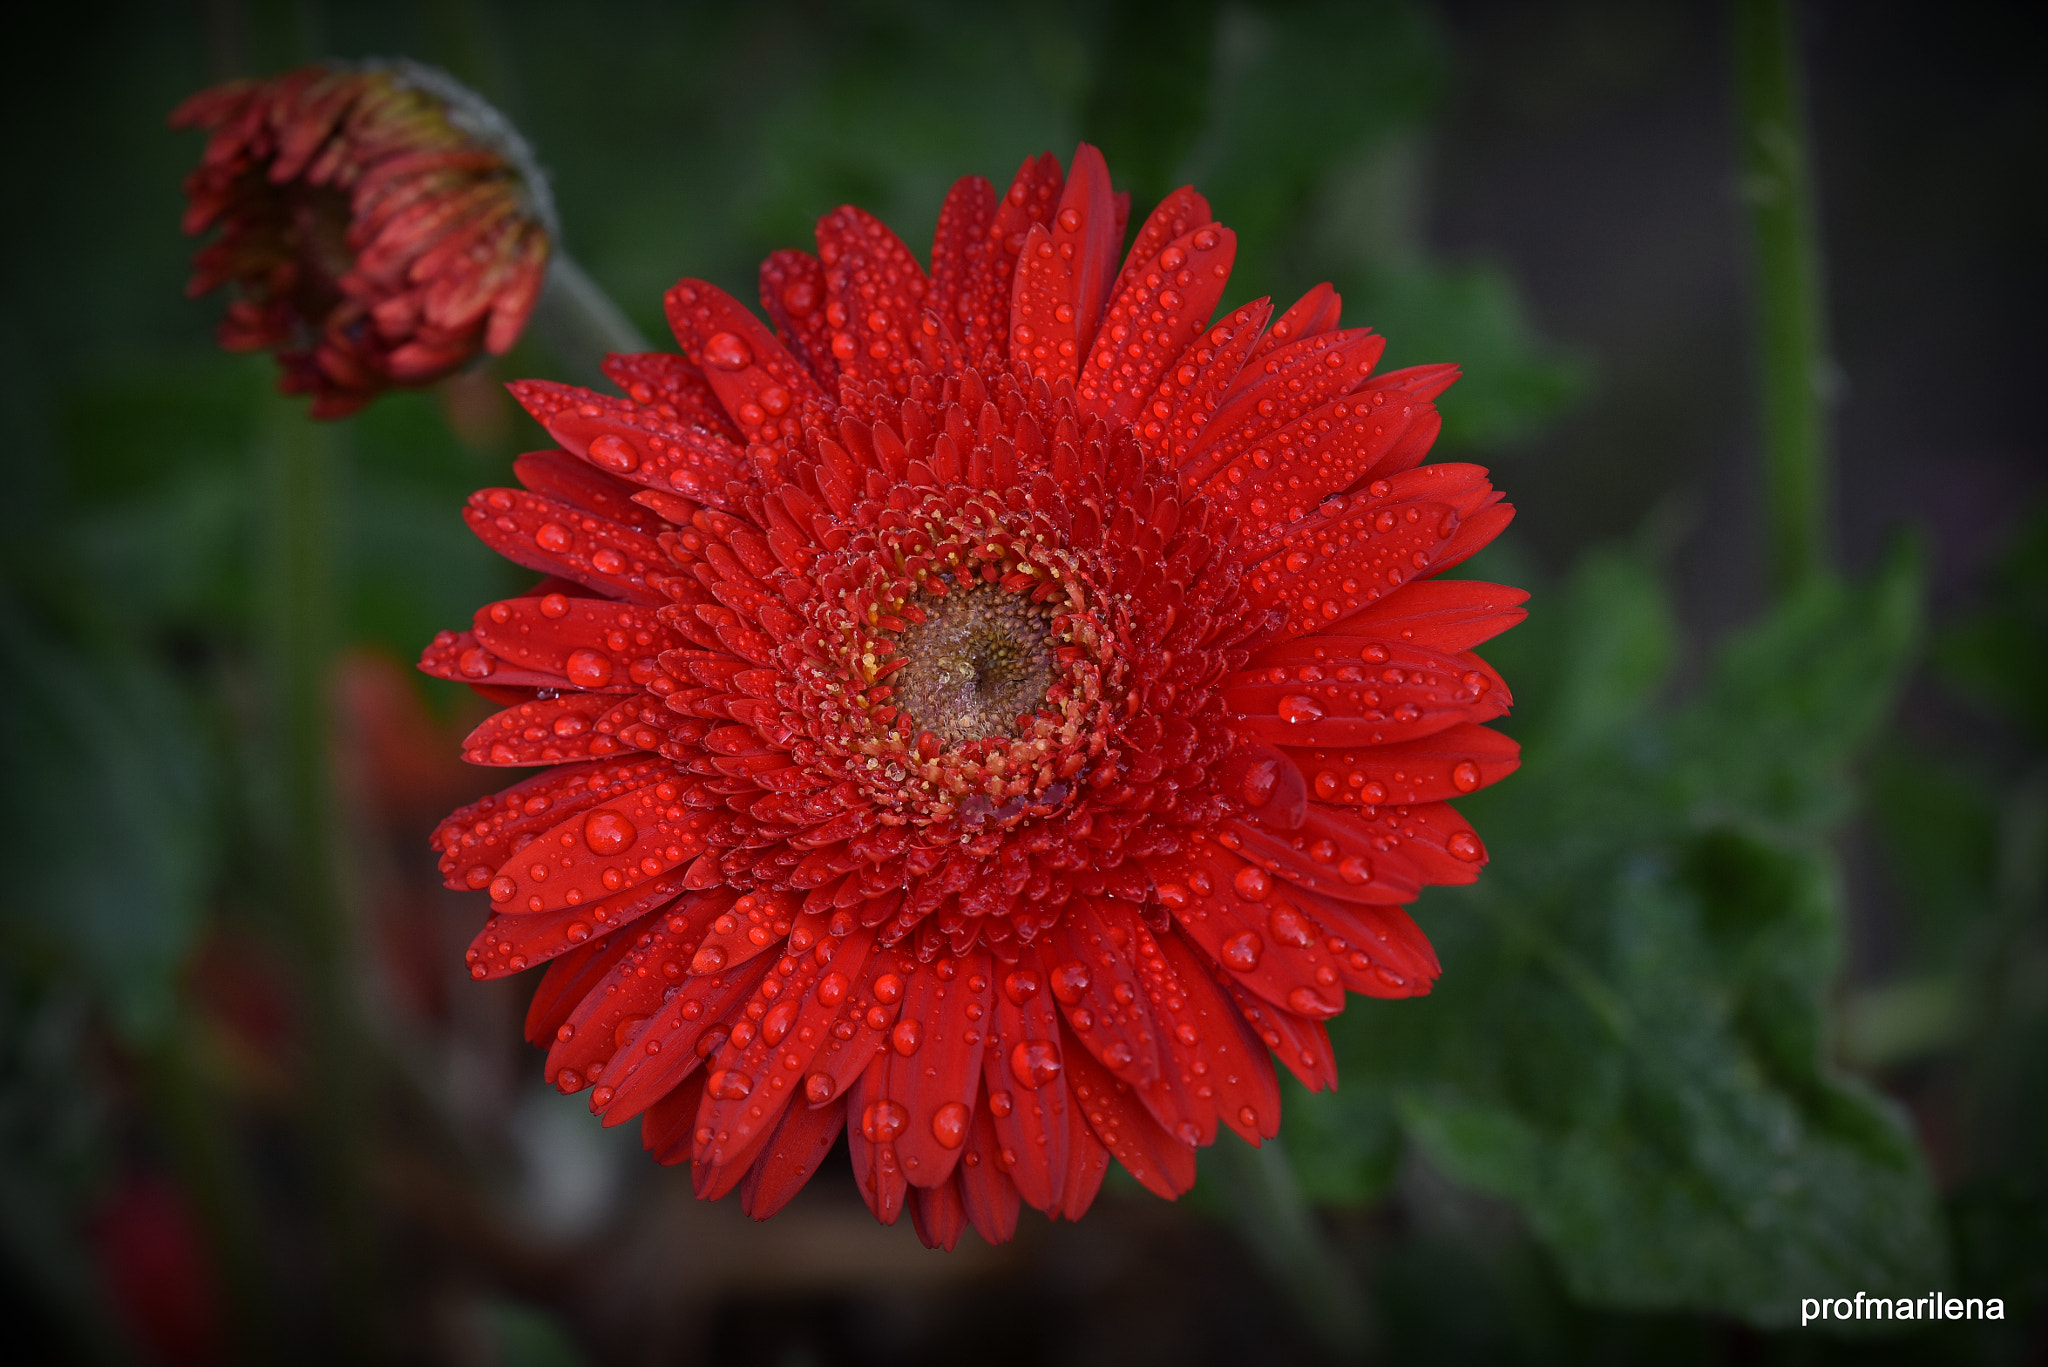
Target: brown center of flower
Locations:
point(980, 660)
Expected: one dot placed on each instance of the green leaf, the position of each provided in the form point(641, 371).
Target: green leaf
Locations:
point(1627, 1041)
point(110, 844)
point(1792, 698)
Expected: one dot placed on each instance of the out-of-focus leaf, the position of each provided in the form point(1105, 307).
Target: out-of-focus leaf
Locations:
point(1470, 313)
point(109, 836)
point(1790, 699)
point(1626, 1042)
point(1999, 656)
point(1344, 1144)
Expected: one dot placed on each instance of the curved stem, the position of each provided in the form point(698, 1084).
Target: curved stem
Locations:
point(579, 322)
point(1791, 335)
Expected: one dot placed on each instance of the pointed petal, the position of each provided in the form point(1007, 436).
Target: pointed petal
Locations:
point(683, 1030)
point(759, 1070)
point(793, 1153)
point(1360, 692)
point(574, 726)
point(1302, 1045)
point(1162, 1164)
point(1027, 1091)
point(673, 386)
point(1165, 306)
point(1312, 315)
point(1353, 552)
point(567, 981)
point(1275, 390)
point(986, 1193)
point(939, 1214)
point(555, 538)
point(1179, 412)
point(635, 443)
point(1327, 854)
point(1449, 764)
point(1088, 234)
point(766, 391)
point(1443, 614)
point(793, 293)
point(595, 643)
point(873, 1120)
point(963, 282)
point(1179, 214)
point(509, 944)
point(617, 845)
point(1240, 917)
point(876, 292)
point(627, 996)
point(1281, 480)
point(665, 1127)
point(559, 475)
point(935, 1063)
point(475, 840)
point(1087, 1164)
point(1224, 1055)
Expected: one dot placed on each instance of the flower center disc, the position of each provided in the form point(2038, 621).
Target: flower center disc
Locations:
point(978, 662)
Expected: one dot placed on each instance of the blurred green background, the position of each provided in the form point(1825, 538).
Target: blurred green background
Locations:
point(1752, 1004)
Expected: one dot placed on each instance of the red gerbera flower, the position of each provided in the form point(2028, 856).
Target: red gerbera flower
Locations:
point(987, 714)
point(381, 225)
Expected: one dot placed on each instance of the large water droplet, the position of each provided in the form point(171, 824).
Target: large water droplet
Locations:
point(949, 1124)
point(1465, 845)
point(882, 1121)
point(727, 351)
point(1035, 1062)
point(588, 669)
point(614, 453)
point(1070, 981)
point(1296, 708)
point(607, 831)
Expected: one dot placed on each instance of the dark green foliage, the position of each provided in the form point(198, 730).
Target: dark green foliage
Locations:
point(1627, 1041)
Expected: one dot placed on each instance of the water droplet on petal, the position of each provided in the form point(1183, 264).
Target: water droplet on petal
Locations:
point(727, 351)
point(729, 1084)
point(588, 669)
point(1242, 951)
point(1306, 1001)
point(1465, 845)
point(882, 1121)
point(607, 831)
point(1466, 776)
point(1296, 708)
point(1070, 981)
point(614, 453)
point(1035, 1062)
point(949, 1125)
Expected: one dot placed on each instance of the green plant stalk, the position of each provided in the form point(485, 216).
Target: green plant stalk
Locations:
point(300, 514)
point(1791, 334)
point(1266, 1208)
point(576, 320)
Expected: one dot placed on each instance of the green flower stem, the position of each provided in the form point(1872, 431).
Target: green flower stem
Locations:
point(1791, 335)
point(575, 319)
point(300, 516)
point(1278, 1228)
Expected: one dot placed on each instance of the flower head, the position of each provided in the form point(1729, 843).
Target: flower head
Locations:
point(380, 224)
point(986, 714)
